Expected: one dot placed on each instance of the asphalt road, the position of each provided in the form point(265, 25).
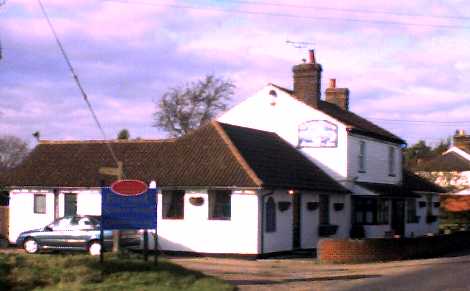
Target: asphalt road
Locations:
point(453, 275)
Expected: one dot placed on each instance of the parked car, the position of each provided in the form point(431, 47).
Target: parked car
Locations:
point(74, 233)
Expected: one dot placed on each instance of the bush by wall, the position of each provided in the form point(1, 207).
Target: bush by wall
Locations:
point(388, 249)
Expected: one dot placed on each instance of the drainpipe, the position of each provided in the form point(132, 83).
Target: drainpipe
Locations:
point(262, 220)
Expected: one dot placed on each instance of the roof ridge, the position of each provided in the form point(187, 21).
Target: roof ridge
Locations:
point(59, 142)
point(238, 156)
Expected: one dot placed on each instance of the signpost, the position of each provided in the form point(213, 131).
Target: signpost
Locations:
point(129, 204)
point(119, 174)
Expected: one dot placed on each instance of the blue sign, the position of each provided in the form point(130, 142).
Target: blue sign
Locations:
point(128, 211)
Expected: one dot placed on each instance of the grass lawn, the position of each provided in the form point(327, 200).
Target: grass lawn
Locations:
point(84, 272)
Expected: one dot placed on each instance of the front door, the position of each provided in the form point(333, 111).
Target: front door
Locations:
point(398, 216)
point(296, 221)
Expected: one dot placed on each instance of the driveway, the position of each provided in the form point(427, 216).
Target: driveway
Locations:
point(307, 274)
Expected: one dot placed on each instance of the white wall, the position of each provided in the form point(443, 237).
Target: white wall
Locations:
point(22, 216)
point(281, 239)
point(284, 118)
point(423, 228)
point(376, 161)
point(196, 233)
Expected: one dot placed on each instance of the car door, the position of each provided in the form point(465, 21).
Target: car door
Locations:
point(52, 236)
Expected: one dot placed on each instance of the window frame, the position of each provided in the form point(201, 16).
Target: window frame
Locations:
point(270, 210)
point(214, 205)
point(391, 161)
point(65, 203)
point(36, 209)
point(178, 203)
point(378, 209)
point(324, 210)
point(362, 168)
point(411, 212)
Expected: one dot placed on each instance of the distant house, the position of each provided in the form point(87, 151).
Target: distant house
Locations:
point(223, 189)
point(451, 169)
point(361, 156)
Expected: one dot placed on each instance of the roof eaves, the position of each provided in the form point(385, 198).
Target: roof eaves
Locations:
point(233, 149)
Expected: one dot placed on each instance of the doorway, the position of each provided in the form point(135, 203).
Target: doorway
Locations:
point(296, 225)
point(398, 216)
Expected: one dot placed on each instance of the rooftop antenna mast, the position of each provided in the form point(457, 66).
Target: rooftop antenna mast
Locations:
point(300, 45)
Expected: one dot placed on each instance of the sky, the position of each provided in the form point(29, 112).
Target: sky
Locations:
point(406, 63)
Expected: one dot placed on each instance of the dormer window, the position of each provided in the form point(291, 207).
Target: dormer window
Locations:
point(362, 156)
point(391, 161)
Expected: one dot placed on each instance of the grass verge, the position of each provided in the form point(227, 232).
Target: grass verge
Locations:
point(83, 272)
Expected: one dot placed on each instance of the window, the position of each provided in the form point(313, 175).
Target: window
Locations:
point(411, 211)
point(220, 204)
point(324, 209)
point(173, 204)
point(270, 215)
point(40, 203)
point(371, 211)
point(70, 204)
point(362, 156)
point(383, 212)
point(391, 161)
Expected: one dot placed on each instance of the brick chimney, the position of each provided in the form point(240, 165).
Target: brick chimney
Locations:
point(307, 81)
point(462, 140)
point(337, 96)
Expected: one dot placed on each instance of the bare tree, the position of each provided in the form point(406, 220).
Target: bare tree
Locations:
point(185, 108)
point(12, 151)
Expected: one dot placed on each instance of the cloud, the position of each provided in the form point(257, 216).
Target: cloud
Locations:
point(127, 55)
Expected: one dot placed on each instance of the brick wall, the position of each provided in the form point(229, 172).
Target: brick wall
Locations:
point(368, 250)
point(4, 221)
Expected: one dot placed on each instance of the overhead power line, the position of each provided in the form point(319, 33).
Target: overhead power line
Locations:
point(446, 123)
point(77, 82)
point(286, 15)
point(362, 11)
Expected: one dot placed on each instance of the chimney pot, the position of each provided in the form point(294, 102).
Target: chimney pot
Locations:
point(311, 56)
point(332, 83)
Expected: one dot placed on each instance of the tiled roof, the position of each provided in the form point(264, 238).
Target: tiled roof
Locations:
point(411, 186)
point(215, 155)
point(448, 162)
point(355, 123)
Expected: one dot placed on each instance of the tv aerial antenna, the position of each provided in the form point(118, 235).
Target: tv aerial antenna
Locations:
point(300, 45)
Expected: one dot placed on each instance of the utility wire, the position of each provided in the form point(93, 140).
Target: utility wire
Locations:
point(77, 81)
point(422, 121)
point(363, 11)
point(323, 18)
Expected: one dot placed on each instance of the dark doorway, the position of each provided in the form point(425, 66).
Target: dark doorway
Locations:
point(296, 221)
point(70, 204)
point(398, 216)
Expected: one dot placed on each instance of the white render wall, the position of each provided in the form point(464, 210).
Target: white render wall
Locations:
point(376, 161)
point(196, 233)
point(23, 218)
point(284, 119)
point(281, 239)
point(423, 228)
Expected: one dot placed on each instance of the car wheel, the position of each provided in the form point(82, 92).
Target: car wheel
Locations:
point(31, 246)
point(95, 248)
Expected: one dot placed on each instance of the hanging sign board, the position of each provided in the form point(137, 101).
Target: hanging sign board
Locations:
point(128, 204)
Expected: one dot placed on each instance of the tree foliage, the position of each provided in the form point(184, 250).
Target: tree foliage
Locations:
point(123, 134)
point(185, 108)
point(420, 152)
point(12, 151)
